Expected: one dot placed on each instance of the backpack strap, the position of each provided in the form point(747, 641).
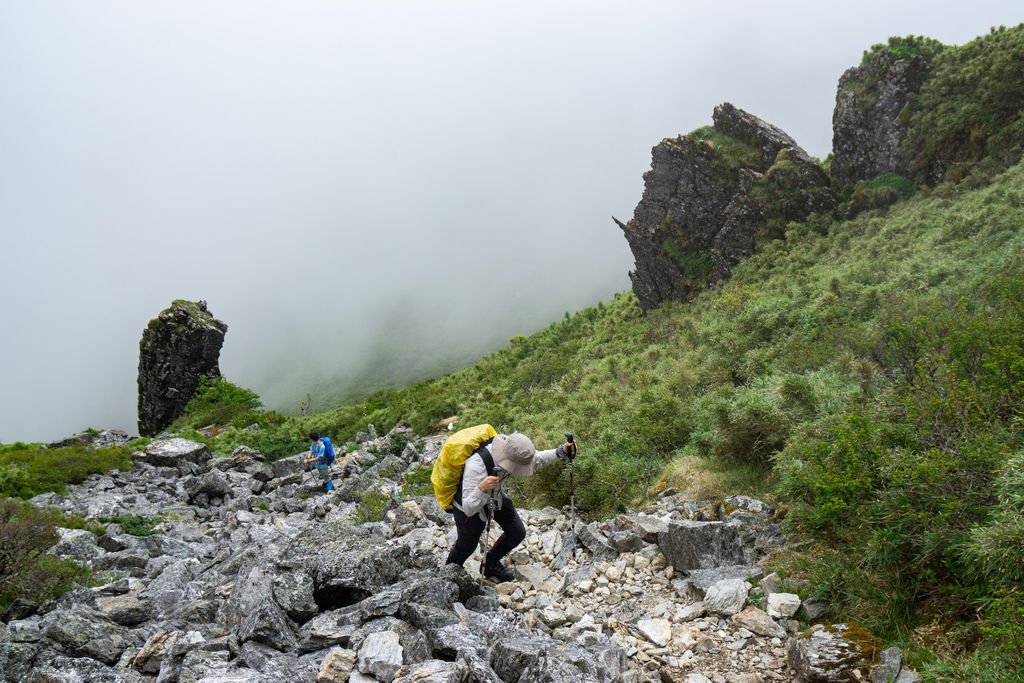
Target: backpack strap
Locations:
point(485, 454)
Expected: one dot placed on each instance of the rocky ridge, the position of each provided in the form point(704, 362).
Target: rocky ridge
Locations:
point(257, 575)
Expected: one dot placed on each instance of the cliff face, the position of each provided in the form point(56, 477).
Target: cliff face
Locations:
point(868, 124)
point(709, 195)
point(178, 348)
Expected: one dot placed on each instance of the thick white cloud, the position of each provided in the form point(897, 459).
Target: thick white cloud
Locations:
point(358, 188)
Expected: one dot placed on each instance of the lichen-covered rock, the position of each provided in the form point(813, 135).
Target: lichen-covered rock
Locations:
point(95, 438)
point(178, 348)
point(867, 128)
point(833, 654)
point(710, 195)
point(381, 655)
point(78, 670)
point(84, 632)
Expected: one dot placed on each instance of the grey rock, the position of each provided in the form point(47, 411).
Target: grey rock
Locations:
point(824, 655)
point(77, 544)
point(126, 610)
point(867, 129)
point(172, 452)
point(18, 658)
point(889, 665)
point(699, 545)
point(726, 597)
point(169, 588)
point(78, 670)
point(212, 484)
point(432, 671)
point(594, 540)
point(758, 621)
point(94, 438)
point(328, 629)
point(625, 541)
point(512, 656)
point(701, 579)
point(201, 664)
point(381, 655)
point(21, 608)
point(783, 605)
point(178, 348)
point(84, 632)
point(293, 591)
point(254, 614)
point(813, 610)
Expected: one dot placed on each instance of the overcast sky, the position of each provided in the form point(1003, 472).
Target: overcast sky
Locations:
point(359, 188)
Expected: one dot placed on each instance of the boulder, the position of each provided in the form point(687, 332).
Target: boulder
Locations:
point(85, 632)
point(212, 484)
point(695, 545)
point(293, 591)
point(178, 348)
point(126, 610)
point(432, 671)
point(726, 597)
point(381, 655)
point(336, 666)
point(253, 614)
point(758, 621)
point(173, 452)
point(78, 670)
point(841, 652)
point(783, 605)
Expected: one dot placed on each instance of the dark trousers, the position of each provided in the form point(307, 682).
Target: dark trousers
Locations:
point(470, 528)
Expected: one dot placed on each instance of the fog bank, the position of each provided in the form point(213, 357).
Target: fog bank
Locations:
point(363, 192)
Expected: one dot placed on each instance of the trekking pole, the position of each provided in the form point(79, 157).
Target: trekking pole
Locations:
point(485, 541)
point(572, 493)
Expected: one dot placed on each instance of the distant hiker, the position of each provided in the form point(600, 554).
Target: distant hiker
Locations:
point(484, 459)
point(321, 457)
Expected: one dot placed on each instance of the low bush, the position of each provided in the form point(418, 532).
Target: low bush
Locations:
point(27, 470)
point(26, 570)
point(134, 525)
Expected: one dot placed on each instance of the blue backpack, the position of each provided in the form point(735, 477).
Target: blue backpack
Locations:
point(328, 451)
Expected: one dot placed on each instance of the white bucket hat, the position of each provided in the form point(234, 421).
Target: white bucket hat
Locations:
point(514, 453)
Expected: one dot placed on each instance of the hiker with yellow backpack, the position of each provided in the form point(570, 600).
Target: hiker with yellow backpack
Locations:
point(467, 479)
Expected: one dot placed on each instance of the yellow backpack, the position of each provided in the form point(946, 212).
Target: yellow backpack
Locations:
point(447, 473)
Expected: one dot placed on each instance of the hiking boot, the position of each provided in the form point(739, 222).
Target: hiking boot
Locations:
point(498, 572)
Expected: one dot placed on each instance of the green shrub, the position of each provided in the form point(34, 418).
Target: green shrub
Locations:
point(134, 525)
point(26, 570)
point(879, 193)
point(371, 507)
point(218, 401)
point(417, 482)
point(27, 470)
point(970, 110)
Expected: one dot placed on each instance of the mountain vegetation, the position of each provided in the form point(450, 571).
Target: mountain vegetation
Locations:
point(865, 371)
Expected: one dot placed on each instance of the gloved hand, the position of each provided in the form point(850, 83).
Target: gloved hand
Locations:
point(566, 450)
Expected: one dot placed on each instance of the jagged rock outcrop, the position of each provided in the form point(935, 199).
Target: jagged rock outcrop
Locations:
point(710, 195)
point(867, 126)
point(179, 347)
